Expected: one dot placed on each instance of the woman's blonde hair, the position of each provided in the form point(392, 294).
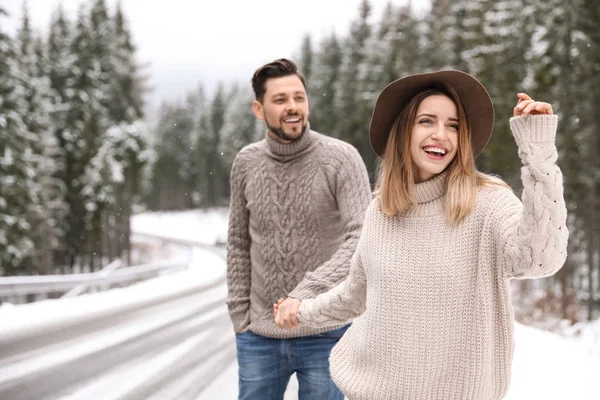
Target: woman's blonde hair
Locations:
point(395, 181)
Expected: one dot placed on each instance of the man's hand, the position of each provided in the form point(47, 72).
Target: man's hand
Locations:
point(286, 316)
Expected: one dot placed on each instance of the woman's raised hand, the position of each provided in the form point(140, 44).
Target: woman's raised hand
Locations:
point(526, 105)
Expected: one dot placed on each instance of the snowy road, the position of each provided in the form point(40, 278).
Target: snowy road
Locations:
point(112, 358)
point(169, 348)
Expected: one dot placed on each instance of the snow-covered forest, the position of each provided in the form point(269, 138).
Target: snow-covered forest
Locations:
point(77, 158)
point(72, 142)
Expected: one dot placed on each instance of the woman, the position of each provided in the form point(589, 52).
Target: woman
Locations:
point(440, 243)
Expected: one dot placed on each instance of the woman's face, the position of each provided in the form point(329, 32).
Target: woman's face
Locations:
point(434, 138)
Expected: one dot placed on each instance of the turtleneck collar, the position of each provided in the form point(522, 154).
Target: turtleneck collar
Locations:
point(431, 189)
point(280, 150)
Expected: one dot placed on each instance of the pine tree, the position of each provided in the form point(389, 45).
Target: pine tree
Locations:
point(240, 129)
point(587, 46)
point(126, 141)
point(172, 177)
point(49, 168)
point(126, 84)
point(17, 188)
point(436, 26)
point(461, 27)
point(323, 92)
point(113, 177)
point(306, 57)
point(397, 48)
point(215, 175)
point(101, 41)
point(203, 169)
point(355, 102)
point(58, 70)
point(555, 78)
point(101, 38)
point(497, 58)
point(385, 50)
point(81, 139)
point(36, 86)
point(196, 105)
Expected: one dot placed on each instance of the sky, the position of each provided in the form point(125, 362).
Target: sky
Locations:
point(183, 43)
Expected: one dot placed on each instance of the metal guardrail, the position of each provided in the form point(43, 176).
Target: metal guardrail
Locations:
point(24, 285)
point(80, 289)
point(115, 273)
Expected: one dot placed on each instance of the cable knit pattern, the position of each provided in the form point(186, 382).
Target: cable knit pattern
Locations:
point(431, 302)
point(296, 212)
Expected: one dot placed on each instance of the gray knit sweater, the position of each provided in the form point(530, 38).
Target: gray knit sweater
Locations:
point(296, 212)
point(435, 320)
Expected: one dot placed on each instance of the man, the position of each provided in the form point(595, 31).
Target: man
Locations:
point(298, 200)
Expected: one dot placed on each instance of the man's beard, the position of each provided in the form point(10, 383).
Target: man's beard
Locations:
point(281, 133)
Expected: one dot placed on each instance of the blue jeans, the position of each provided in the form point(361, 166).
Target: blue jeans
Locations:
point(266, 365)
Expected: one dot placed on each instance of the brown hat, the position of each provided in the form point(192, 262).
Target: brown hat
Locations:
point(394, 97)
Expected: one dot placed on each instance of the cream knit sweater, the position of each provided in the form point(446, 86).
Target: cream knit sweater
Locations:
point(433, 313)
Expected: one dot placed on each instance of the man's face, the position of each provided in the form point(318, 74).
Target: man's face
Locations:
point(284, 108)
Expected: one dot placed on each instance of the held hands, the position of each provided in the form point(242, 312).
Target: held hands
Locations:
point(286, 313)
point(526, 105)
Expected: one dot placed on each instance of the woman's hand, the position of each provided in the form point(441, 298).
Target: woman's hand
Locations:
point(276, 306)
point(526, 105)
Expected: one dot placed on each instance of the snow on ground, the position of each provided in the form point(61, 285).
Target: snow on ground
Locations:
point(587, 334)
point(546, 365)
point(206, 226)
point(550, 367)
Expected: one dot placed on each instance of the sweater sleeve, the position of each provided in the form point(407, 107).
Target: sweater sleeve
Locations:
point(533, 234)
point(353, 195)
point(343, 303)
point(238, 250)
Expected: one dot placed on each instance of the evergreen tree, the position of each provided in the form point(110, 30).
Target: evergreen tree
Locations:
point(386, 50)
point(306, 57)
point(17, 187)
point(355, 103)
point(197, 105)
point(36, 87)
point(101, 41)
point(587, 46)
point(172, 172)
point(58, 70)
point(398, 48)
point(323, 92)
point(126, 85)
point(81, 140)
point(113, 177)
point(497, 59)
point(455, 26)
point(126, 141)
point(240, 129)
point(203, 169)
point(215, 175)
point(555, 77)
point(436, 26)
